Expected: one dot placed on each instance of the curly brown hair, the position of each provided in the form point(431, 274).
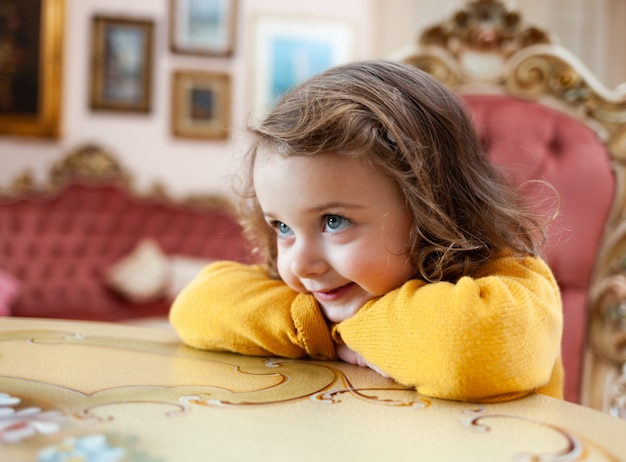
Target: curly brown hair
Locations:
point(417, 132)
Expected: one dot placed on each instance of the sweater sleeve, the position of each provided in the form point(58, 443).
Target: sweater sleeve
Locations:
point(234, 307)
point(493, 337)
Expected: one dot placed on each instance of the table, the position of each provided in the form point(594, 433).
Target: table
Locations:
point(125, 392)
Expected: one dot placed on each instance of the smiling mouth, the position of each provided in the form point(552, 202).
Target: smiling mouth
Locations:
point(333, 294)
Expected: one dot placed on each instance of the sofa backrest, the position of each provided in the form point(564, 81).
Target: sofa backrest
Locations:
point(542, 115)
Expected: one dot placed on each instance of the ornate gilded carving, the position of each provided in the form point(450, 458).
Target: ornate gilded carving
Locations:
point(485, 25)
point(24, 184)
point(547, 72)
point(617, 393)
point(473, 43)
point(91, 164)
point(487, 44)
point(439, 65)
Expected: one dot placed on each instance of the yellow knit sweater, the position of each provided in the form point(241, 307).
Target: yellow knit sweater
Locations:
point(491, 337)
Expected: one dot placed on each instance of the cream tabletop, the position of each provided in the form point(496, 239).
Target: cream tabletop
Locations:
point(110, 392)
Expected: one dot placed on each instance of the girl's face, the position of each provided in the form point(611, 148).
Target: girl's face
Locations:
point(341, 227)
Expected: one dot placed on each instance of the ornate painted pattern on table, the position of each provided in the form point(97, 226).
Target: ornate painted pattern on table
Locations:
point(178, 378)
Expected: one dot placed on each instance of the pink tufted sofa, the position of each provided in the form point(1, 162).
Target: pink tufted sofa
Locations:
point(60, 244)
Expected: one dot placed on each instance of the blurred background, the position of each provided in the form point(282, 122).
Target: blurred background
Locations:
point(313, 34)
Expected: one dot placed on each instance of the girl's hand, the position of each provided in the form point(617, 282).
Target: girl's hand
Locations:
point(346, 354)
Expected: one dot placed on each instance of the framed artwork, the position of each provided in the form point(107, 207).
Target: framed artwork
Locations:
point(201, 104)
point(288, 50)
point(121, 64)
point(203, 27)
point(31, 64)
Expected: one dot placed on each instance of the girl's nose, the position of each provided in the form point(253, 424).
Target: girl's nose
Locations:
point(307, 259)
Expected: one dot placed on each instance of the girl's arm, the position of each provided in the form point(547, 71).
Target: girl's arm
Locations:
point(239, 308)
point(496, 336)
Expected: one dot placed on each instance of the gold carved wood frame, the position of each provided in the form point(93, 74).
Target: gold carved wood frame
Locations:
point(487, 48)
point(31, 64)
point(121, 64)
point(200, 104)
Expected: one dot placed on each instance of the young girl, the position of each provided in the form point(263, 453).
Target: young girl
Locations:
point(389, 241)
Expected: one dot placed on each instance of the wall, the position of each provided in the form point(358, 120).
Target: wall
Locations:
point(144, 143)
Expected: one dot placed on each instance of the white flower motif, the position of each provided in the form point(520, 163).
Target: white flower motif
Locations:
point(16, 425)
point(8, 400)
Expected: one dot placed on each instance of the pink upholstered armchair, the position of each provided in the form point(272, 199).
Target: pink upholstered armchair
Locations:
point(543, 116)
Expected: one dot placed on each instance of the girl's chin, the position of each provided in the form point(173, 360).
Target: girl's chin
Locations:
point(337, 315)
point(335, 312)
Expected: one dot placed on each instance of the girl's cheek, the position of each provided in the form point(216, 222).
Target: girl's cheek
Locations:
point(287, 276)
point(294, 283)
point(282, 269)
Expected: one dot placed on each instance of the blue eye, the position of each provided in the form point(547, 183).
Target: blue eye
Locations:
point(282, 229)
point(335, 223)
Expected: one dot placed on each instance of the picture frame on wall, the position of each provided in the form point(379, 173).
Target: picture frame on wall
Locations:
point(121, 64)
point(31, 68)
point(203, 27)
point(201, 104)
point(288, 50)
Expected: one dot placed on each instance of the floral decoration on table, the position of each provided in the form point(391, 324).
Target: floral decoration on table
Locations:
point(17, 424)
point(20, 421)
point(86, 448)
point(98, 447)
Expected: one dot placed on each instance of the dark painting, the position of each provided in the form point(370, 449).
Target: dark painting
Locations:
point(20, 36)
